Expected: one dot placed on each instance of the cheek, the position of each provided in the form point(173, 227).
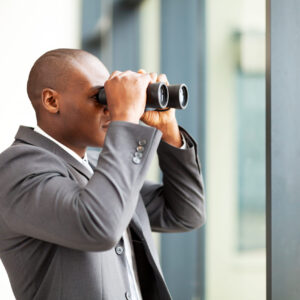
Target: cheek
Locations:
point(94, 126)
point(70, 111)
point(86, 115)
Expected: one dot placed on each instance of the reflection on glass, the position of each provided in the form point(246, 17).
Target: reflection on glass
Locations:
point(251, 161)
point(235, 147)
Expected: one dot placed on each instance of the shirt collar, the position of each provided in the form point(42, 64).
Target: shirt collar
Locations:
point(83, 160)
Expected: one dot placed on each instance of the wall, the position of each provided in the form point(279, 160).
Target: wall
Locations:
point(28, 29)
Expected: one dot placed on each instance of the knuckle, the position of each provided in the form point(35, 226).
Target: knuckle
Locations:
point(127, 73)
point(125, 78)
point(115, 73)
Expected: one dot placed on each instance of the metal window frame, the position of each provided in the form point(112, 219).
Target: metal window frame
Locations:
point(282, 149)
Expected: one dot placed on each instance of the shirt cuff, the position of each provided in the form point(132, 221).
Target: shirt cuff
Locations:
point(184, 145)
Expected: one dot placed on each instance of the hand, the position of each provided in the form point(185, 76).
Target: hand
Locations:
point(165, 121)
point(126, 95)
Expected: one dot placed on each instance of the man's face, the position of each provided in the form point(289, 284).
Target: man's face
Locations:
point(85, 121)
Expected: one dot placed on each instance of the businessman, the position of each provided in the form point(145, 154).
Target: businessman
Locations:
point(75, 229)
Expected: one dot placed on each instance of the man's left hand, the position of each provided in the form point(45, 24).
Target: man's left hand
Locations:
point(164, 120)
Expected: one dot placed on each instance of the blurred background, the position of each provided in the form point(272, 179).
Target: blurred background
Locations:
point(218, 49)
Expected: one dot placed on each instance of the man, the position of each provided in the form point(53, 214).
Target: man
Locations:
point(70, 231)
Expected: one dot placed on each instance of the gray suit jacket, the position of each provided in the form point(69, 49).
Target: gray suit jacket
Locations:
point(60, 226)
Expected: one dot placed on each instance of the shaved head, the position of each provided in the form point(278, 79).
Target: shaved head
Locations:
point(63, 85)
point(54, 70)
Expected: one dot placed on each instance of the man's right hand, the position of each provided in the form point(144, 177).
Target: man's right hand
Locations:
point(126, 95)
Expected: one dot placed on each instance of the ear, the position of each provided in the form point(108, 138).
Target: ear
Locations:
point(50, 100)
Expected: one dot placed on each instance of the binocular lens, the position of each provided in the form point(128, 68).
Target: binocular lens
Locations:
point(164, 96)
point(157, 95)
point(183, 96)
point(178, 96)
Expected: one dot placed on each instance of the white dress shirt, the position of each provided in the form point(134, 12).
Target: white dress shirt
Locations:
point(83, 160)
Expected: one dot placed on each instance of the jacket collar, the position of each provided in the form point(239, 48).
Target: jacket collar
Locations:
point(29, 136)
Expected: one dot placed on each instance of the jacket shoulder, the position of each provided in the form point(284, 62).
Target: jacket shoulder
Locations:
point(25, 158)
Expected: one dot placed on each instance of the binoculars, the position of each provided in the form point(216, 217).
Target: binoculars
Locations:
point(160, 96)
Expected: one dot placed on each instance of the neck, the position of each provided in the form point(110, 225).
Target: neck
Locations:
point(60, 138)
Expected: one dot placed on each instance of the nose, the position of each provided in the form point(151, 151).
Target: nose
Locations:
point(105, 110)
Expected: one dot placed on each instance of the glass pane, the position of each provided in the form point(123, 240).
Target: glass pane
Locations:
point(235, 130)
point(251, 161)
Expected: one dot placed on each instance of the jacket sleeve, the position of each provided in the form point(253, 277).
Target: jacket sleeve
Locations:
point(177, 204)
point(39, 199)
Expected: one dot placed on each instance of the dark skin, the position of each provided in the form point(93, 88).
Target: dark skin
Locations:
point(74, 118)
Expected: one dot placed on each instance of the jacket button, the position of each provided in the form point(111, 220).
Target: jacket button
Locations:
point(136, 160)
point(138, 154)
point(119, 250)
point(140, 149)
point(128, 296)
point(142, 142)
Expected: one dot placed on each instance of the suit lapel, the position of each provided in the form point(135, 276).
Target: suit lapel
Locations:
point(136, 224)
point(29, 136)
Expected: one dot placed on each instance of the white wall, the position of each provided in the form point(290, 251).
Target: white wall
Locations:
point(27, 30)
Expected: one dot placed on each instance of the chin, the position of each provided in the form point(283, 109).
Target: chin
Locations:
point(100, 140)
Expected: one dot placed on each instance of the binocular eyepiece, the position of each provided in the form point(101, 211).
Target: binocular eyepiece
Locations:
point(160, 96)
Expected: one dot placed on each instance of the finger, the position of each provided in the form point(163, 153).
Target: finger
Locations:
point(153, 76)
point(141, 71)
point(114, 74)
point(127, 73)
point(147, 77)
point(162, 78)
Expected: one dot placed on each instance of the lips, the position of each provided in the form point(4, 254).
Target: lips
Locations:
point(105, 125)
